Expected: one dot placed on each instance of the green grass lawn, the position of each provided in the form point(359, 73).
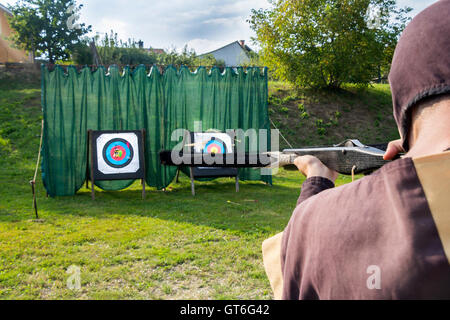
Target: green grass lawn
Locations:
point(323, 117)
point(170, 246)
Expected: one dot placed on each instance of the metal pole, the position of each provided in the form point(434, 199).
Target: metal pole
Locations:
point(144, 166)
point(192, 181)
point(177, 180)
point(34, 199)
point(92, 165)
point(33, 182)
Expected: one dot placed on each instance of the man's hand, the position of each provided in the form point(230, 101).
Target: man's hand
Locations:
point(312, 167)
point(393, 149)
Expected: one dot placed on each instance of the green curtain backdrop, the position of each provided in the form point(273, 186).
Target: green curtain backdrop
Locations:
point(75, 101)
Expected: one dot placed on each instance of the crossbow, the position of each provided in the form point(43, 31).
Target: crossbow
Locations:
point(348, 157)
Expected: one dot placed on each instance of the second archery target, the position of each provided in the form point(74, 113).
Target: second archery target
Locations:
point(212, 143)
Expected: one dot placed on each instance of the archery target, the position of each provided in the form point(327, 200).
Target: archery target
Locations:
point(215, 145)
point(212, 143)
point(117, 153)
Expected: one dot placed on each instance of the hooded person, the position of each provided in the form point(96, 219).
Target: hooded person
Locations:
point(387, 235)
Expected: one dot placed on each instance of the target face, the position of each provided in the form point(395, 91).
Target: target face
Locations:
point(117, 155)
point(212, 143)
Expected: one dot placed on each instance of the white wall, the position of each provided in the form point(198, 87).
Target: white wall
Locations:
point(233, 55)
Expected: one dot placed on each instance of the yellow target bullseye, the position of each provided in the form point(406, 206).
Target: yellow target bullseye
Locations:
point(215, 146)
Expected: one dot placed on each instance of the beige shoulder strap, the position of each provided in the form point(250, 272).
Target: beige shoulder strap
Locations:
point(271, 249)
point(434, 175)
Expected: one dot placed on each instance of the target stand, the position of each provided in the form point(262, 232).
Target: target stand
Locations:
point(116, 155)
point(212, 143)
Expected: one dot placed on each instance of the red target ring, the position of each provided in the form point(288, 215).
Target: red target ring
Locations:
point(118, 153)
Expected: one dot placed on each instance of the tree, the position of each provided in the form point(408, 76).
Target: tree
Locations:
point(112, 50)
point(325, 43)
point(82, 53)
point(188, 57)
point(47, 27)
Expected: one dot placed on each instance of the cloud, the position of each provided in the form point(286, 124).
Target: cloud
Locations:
point(119, 26)
point(163, 24)
point(205, 45)
point(167, 23)
point(204, 25)
point(417, 5)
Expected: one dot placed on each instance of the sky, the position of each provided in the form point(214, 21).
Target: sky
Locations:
point(204, 25)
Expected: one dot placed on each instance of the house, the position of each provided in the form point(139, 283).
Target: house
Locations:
point(156, 51)
point(150, 50)
point(234, 54)
point(7, 52)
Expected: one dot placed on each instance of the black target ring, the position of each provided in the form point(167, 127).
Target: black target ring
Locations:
point(118, 153)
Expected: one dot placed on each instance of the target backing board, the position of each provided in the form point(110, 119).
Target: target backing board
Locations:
point(213, 143)
point(117, 155)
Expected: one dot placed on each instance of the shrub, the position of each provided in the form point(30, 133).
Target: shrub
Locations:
point(325, 43)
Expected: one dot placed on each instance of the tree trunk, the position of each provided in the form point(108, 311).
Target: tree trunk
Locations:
point(33, 55)
point(51, 60)
point(379, 74)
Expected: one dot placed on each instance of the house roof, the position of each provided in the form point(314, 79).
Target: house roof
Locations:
point(244, 47)
point(157, 51)
point(2, 7)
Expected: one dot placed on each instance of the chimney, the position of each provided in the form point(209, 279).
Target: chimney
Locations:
point(242, 43)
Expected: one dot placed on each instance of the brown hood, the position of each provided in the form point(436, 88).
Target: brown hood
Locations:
point(421, 64)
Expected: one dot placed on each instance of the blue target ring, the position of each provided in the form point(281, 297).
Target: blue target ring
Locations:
point(215, 146)
point(118, 153)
